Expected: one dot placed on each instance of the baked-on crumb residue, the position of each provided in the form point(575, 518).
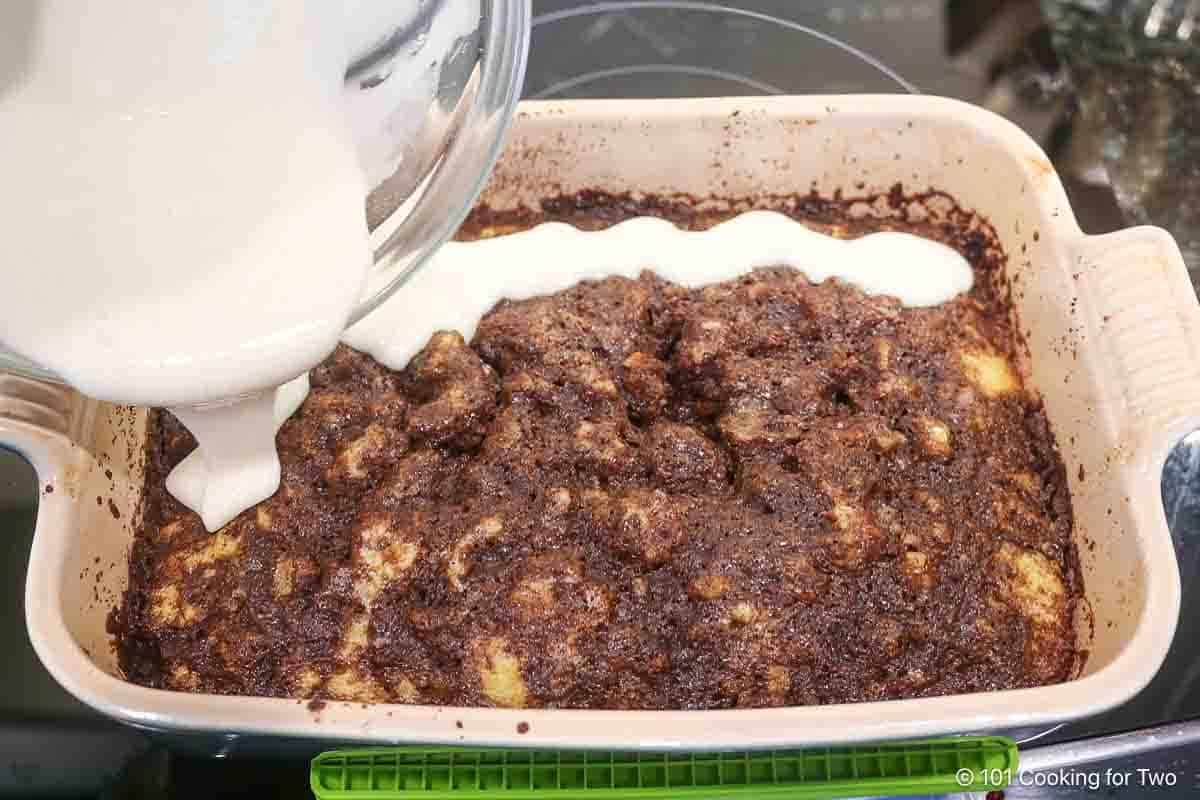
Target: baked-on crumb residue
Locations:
point(633, 495)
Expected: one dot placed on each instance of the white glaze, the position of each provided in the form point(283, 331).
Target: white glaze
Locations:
point(183, 201)
point(235, 464)
point(188, 222)
point(465, 279)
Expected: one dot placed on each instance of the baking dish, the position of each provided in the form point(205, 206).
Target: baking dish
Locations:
point(1113, 338)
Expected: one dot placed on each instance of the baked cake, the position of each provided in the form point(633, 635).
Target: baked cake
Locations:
point(631, 495)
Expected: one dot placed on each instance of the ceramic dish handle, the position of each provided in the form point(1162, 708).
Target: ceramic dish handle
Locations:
point(38, 420)
point(1149, 325)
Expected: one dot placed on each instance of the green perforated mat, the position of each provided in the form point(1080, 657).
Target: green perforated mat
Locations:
point(923, 767)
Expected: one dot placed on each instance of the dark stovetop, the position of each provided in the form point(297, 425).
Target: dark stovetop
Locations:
point(51, 744)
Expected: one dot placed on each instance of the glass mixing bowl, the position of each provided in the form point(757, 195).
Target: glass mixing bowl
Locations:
point(446, 156)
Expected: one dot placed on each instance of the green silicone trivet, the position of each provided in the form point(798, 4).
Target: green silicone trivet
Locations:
point(902, 768)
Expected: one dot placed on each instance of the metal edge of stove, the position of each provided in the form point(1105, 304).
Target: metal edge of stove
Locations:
point(1104, 748)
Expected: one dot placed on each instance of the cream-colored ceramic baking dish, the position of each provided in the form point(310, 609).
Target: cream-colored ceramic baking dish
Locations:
point(1113, 332)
